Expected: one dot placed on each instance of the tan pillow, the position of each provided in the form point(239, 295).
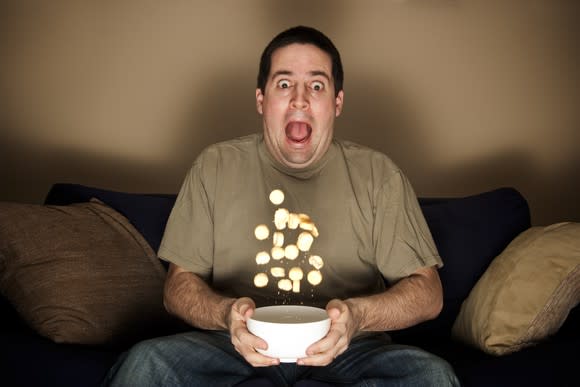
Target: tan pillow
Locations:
point(81, 274)
point(526, 293)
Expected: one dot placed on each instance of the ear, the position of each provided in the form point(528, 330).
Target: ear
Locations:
point(338, 103)
point(259, 100)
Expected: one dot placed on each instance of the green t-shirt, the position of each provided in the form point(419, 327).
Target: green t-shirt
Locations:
point(369, 222)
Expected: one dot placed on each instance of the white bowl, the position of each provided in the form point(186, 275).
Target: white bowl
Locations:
point(288, 329)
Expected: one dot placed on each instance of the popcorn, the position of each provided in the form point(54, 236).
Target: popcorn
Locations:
point(278, 272)
point(277, 253)
point(309, 226)
point(307, 232)
point(295, 274)
point(276, 197)
point(262, 258)
point(296, 286)
point(314, 277)
point(291, 252)
point(293, 221)
point(316, 262)
point(305, 240)
point(261, 280)
point(278, 239)
point(261, 232)
point(281, 218)
point(285, 284)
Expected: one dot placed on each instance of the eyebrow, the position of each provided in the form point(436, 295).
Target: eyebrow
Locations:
point(311, 73)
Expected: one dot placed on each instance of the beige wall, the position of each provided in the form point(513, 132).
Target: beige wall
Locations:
point(465, 96)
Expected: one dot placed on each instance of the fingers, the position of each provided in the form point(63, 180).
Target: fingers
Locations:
point(326, 350)
point(336, 342)
point(245, 343)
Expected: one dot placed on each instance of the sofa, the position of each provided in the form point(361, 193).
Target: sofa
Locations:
point(81, 283)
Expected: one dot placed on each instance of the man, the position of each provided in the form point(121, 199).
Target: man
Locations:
point(371, 230)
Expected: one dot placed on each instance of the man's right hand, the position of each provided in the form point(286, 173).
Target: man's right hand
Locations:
point(244, 342)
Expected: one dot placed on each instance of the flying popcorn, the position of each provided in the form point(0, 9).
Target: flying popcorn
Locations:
point(278, 239)
point(262, 258)
point(316, 262)
point(285, 284)
point(261, 280)
point(276, 197)
point(281, 218)
point(295, 276)
point(293, 221)
point(314, 277)
point(293, 237)
point(291, 252)
point(278, 272)
point(261, 232)
point(277, 253)
point(305, 240)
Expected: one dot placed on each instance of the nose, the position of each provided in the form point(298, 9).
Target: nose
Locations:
point(300, 99)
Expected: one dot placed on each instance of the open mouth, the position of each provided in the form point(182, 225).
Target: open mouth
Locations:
point(298, 132)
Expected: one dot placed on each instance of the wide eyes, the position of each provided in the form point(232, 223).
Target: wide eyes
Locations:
point(315, 85)
point(283, 84)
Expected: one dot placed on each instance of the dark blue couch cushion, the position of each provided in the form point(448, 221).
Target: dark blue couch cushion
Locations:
point(147, 212)
point(469, 233)
point(28, 360)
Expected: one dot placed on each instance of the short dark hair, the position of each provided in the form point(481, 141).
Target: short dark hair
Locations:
point(302, 35)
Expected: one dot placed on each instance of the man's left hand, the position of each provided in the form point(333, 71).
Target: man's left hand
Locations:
point(343, 326)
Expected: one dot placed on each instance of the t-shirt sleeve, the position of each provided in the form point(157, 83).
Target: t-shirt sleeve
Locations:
point(188, 237)
point(402, 239)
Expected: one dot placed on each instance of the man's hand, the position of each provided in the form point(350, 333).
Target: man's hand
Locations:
point(343, 325)
point(244, 342)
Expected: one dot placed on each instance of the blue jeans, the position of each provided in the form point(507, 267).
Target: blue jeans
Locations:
point(207, 358)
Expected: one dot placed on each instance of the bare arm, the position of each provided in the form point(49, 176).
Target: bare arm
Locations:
point(187, 296)
point(410, 301)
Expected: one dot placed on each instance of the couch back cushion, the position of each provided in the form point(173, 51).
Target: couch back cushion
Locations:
point(469, 233)
point(148, 213)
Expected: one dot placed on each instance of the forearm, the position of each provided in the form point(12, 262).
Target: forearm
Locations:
point(187, 296)
point(412, 300)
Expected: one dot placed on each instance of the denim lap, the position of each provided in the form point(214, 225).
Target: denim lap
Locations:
point(207, 358)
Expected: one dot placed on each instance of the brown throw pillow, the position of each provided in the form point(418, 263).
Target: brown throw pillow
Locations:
point(81, 274)
point(526, 293)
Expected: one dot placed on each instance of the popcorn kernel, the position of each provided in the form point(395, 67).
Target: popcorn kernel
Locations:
point(261, 232)
point(262, 258)
point(276, 197)
point(261, 280)
point(314, 277)
point(285, 284)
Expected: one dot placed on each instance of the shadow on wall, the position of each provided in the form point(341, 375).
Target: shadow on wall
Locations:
point(227, 110)
point(384, 118)
point(29, 170)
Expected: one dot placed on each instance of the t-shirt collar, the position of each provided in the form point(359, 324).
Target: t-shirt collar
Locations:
point(299, 173)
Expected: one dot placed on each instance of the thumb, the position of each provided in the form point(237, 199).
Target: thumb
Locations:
point(334, 309)
point(246, 307)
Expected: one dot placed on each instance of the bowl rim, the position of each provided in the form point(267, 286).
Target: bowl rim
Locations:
point(322, 320)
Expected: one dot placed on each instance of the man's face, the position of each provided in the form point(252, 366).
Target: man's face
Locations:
point(298, 105)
